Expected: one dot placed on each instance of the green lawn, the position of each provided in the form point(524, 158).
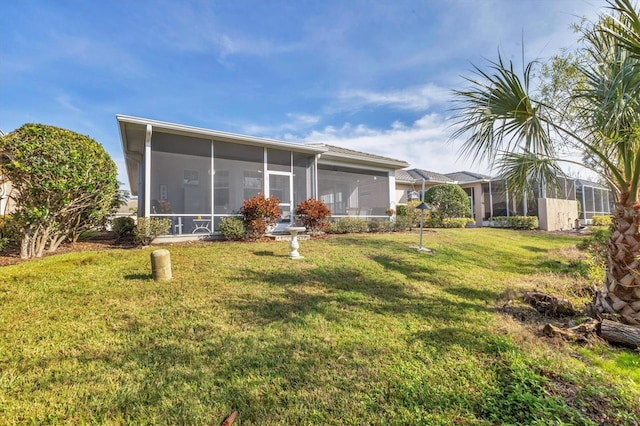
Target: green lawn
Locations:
point(363, 330)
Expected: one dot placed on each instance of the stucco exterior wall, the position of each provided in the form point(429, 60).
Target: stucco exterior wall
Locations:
point(556, 215)
point(401, 192)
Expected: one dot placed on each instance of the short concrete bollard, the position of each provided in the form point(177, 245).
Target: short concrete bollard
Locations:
point(161, 265)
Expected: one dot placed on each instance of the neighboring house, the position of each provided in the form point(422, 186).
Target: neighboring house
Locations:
point(410, 183)
point(477, 187)
point(198, 176)
point(555, 209)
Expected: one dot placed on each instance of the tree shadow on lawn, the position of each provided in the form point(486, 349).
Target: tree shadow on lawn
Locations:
point(330, 292)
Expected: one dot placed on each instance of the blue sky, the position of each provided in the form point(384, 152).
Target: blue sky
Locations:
point(374, 76)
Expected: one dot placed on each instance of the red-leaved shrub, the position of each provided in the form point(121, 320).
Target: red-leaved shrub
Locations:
point(314, 214)
point(258, 213)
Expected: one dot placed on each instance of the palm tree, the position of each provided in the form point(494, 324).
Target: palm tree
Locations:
point(505, 121)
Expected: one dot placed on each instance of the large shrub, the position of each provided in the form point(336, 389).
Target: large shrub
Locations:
point(232, 228)
point(258, 213)
point(448, 200)
point(314, 214)
point(62, 183)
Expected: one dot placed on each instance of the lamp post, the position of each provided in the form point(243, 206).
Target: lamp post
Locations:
point(422, 207)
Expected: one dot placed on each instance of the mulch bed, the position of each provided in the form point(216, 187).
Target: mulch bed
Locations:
point(11, 256)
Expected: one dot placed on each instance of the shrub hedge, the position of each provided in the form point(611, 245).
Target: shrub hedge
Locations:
point(601, 220)
point(514, 222)
point(456, 222)
point(347, 225)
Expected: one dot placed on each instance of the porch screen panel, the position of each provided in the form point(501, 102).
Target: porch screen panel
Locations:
point(353, 192)
point(487, 201)
point(278, 160)
point(499, 196)
point(588, 202)
point(532, 200)
point(302, 177)
point(180, 179)
point(238, 175)
point(597, 201)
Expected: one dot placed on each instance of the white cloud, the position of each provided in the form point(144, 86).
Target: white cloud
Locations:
point(297, 122)
point(425, 144)
point(64, 100)
point(415, 98)
point(198, 27)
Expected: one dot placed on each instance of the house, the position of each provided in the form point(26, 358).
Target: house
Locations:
point(196, 176)
point(410, 183)
point(556, 208)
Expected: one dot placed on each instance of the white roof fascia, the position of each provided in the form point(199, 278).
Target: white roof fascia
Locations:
point(329, 156)
point(323, 161)
point(217, 135)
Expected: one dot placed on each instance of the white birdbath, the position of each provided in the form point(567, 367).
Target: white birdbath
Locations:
point(294, 245)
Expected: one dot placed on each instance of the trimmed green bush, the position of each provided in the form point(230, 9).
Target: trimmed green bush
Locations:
point(401, 210)
point(381, 226)
point(347, 225)
point(601, 220)
point(123, 226)
point(448, 200)
point(514, 222)
point(456, 222)
point(402, 223)
point(147, 229)
point(233, 228)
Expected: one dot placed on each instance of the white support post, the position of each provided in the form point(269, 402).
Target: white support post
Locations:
point(506, 191)
point(265, 174)
point(315, 177)
point(392, 190)
point(213, 186)
point(147, 171)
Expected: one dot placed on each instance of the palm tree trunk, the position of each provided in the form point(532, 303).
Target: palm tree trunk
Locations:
point(621, 292)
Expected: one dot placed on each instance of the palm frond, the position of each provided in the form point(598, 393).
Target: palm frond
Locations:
point(624, 25)
point(524, 170)
point(497, 114)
